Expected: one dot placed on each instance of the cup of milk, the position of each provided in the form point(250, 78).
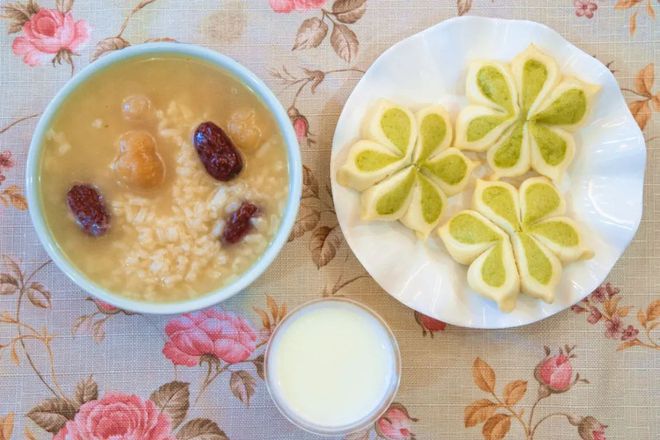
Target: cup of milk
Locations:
point(332, 366)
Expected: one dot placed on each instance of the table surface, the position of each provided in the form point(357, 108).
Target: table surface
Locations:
point(83, 370)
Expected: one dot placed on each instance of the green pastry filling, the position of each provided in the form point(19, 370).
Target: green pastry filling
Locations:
point(557, 231)
point(540, 199)
point(567, 109)
point(451, 169)
point(397, 126)
point(482, 125)
point(534, 76)
point(432, 131)
point(370, 160)
point(493, 272)
point(393, 200)
point(431, 201)
point(500, 200)
point(493, 85)
point(468, 229)
point(538, 264)
point(508, 153)
point(551, 146)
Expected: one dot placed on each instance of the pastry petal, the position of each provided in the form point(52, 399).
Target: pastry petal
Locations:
point(539, 199)
point(435, 132)
point(368, 163)
point(391, 125)
point(468, 234)
point(552, 150)
point(535, 75)
point(510, 156)
point(562, 236)
point(539, 269)
point(494, 275)
point(567, 105)
point(478, 127)
point(498, 201)
point(426, 207)
point(491, 84)
point(389, 199)
point(450, 170)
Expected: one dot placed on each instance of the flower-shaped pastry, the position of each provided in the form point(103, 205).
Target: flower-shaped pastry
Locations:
point(514, 239)
point(523, 114)
point(405, 167)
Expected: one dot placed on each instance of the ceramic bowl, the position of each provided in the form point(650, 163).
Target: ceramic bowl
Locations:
point(224, 63)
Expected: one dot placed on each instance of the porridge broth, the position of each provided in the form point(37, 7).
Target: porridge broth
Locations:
point(165, 241)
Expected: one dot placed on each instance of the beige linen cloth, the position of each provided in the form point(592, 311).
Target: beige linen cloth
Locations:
point(74, 368)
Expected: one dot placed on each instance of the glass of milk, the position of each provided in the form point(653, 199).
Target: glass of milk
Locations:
point(332, 366)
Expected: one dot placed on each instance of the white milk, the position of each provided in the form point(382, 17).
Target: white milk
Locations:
point(332, 365)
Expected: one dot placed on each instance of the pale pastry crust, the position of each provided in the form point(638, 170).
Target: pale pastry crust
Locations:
point(566, 254)
point(530, 285)
point(414, 217)
point(554, 172)
point(526, 185)
point(370, 198)
point(475, 94)
point(371, 128)
point(517, 68)
point(451, 189)
point(449, 127)
point(505, 295)
point(567, 83)
point(465, 253)
point(472, 112)
point(350, 175)
point(521, 166)
point(483, 208)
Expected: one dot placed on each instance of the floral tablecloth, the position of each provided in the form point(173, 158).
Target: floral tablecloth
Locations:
point(75, 368)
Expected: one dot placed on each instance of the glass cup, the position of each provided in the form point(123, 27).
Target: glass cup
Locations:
point(305, 338)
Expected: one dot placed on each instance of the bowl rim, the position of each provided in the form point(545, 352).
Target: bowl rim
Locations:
point(245, 76)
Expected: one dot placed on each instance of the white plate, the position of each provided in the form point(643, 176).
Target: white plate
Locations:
point(603, 187)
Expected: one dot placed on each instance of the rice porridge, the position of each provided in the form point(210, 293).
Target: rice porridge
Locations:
point(163, 180)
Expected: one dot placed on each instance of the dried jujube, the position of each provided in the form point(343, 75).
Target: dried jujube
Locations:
point(88, 208)
point(217, 152)
point(239, 223)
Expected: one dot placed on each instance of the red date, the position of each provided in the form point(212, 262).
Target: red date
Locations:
point(238, 224)
point(88, 208)
point(217, 152)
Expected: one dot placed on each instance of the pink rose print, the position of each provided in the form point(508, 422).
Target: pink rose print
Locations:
point(613, 328)
point(585, 8)
point(300, 124)
point(428, 324)
point(286, 6)
point(605, 304)
point(591, 429)
point(6, 163)
point(604, 292)
point(105, 308)
point(221, 335)
point(118, 417)
point(629, 333)
point(6, 160)
point(51, 35)
point(594, 315)
point(395, 423)
point(555, 373)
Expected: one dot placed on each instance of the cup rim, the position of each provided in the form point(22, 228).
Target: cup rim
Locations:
point(360, 424)
point(247, 78)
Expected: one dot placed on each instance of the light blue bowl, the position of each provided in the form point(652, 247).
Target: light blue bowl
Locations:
point(294, 164)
